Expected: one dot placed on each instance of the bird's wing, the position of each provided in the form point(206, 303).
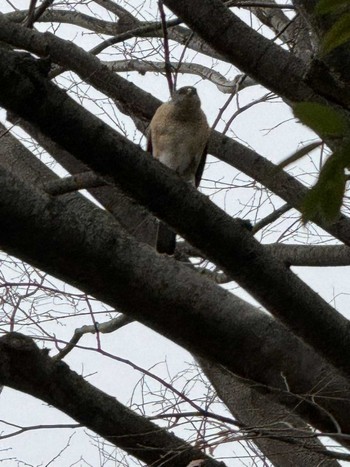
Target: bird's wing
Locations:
point(200, 168)
point(149, 147)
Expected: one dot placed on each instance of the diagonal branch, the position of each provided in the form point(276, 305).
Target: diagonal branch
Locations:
point(277, 69)
point(188, 211)
point(143, 66)
point(23, 366)
point(131, 100)
point(76, 241)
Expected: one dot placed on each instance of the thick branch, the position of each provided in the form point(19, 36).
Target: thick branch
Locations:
point(23, 366)
point(99, 259)
point(141, 106)
point(294, 33)
point(338, 58)
point(269, 64)
point(122, 13)
point(78, 19)
point(188, 211)
point(254, 409)
point(251, 52)
point(133, 217)
point(311, 255)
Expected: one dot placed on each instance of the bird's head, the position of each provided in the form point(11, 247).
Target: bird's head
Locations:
point(186, 97)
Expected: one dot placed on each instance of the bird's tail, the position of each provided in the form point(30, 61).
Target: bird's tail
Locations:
point(166, 239)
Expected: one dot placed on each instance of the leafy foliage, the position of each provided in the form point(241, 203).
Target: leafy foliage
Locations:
point(330, 6)
point(339, 32)
point(337, 35)
point(324, 120)
point(324, 200)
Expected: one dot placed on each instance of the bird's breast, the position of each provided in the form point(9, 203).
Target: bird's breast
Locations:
point(180, 150)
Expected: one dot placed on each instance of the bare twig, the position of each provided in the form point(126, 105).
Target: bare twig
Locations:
point(168, 66)
point(240, 110)
point(271, 218)
point(28, 22)
point(24, 429)
point(198, 408)
point(139, 31)
point(249, 4)
point(212, 415)
point(182, 56)
point(143, 66)
point(103, 328)
point(34, 14)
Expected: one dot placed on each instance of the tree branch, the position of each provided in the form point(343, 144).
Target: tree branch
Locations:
point(311, 255)
point(104, 328)
point(133, 101)
point(272, 66)
point(79, 19)
point(229, 327)
point(143, 66)
point(237, 394)
point(150, 183)
point(23, 366)
point(123, 289)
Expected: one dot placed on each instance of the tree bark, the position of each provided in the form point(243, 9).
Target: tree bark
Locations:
point(254, 410)
point(23, 366)
point(72, 239)
point(134, 102)
point(241, 256)
point(272, 66)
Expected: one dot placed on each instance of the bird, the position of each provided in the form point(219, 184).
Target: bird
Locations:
point(178, 138)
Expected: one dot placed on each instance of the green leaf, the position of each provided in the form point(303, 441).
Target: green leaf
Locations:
point(324, 200)
point(329, 6)
point(299, 154)
point(323, 119)
point(338, 34)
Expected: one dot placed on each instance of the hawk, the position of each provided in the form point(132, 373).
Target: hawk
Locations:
point(178, 136)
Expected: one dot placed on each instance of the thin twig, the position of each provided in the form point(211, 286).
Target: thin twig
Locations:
point(152, 27)
point(28, 22)
point(237, 3)
point(103, 328)
point(35, 14)
point(24, 429)
point(139, 31)
point(240, 110)
point(182, 56)
point(168, 67)
point(222, 110)
point(271, 218)
point(198, 408)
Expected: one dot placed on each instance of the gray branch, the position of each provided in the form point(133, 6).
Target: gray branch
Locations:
point(224, 85)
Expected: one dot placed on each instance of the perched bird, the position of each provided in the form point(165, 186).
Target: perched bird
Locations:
point(178, 136)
